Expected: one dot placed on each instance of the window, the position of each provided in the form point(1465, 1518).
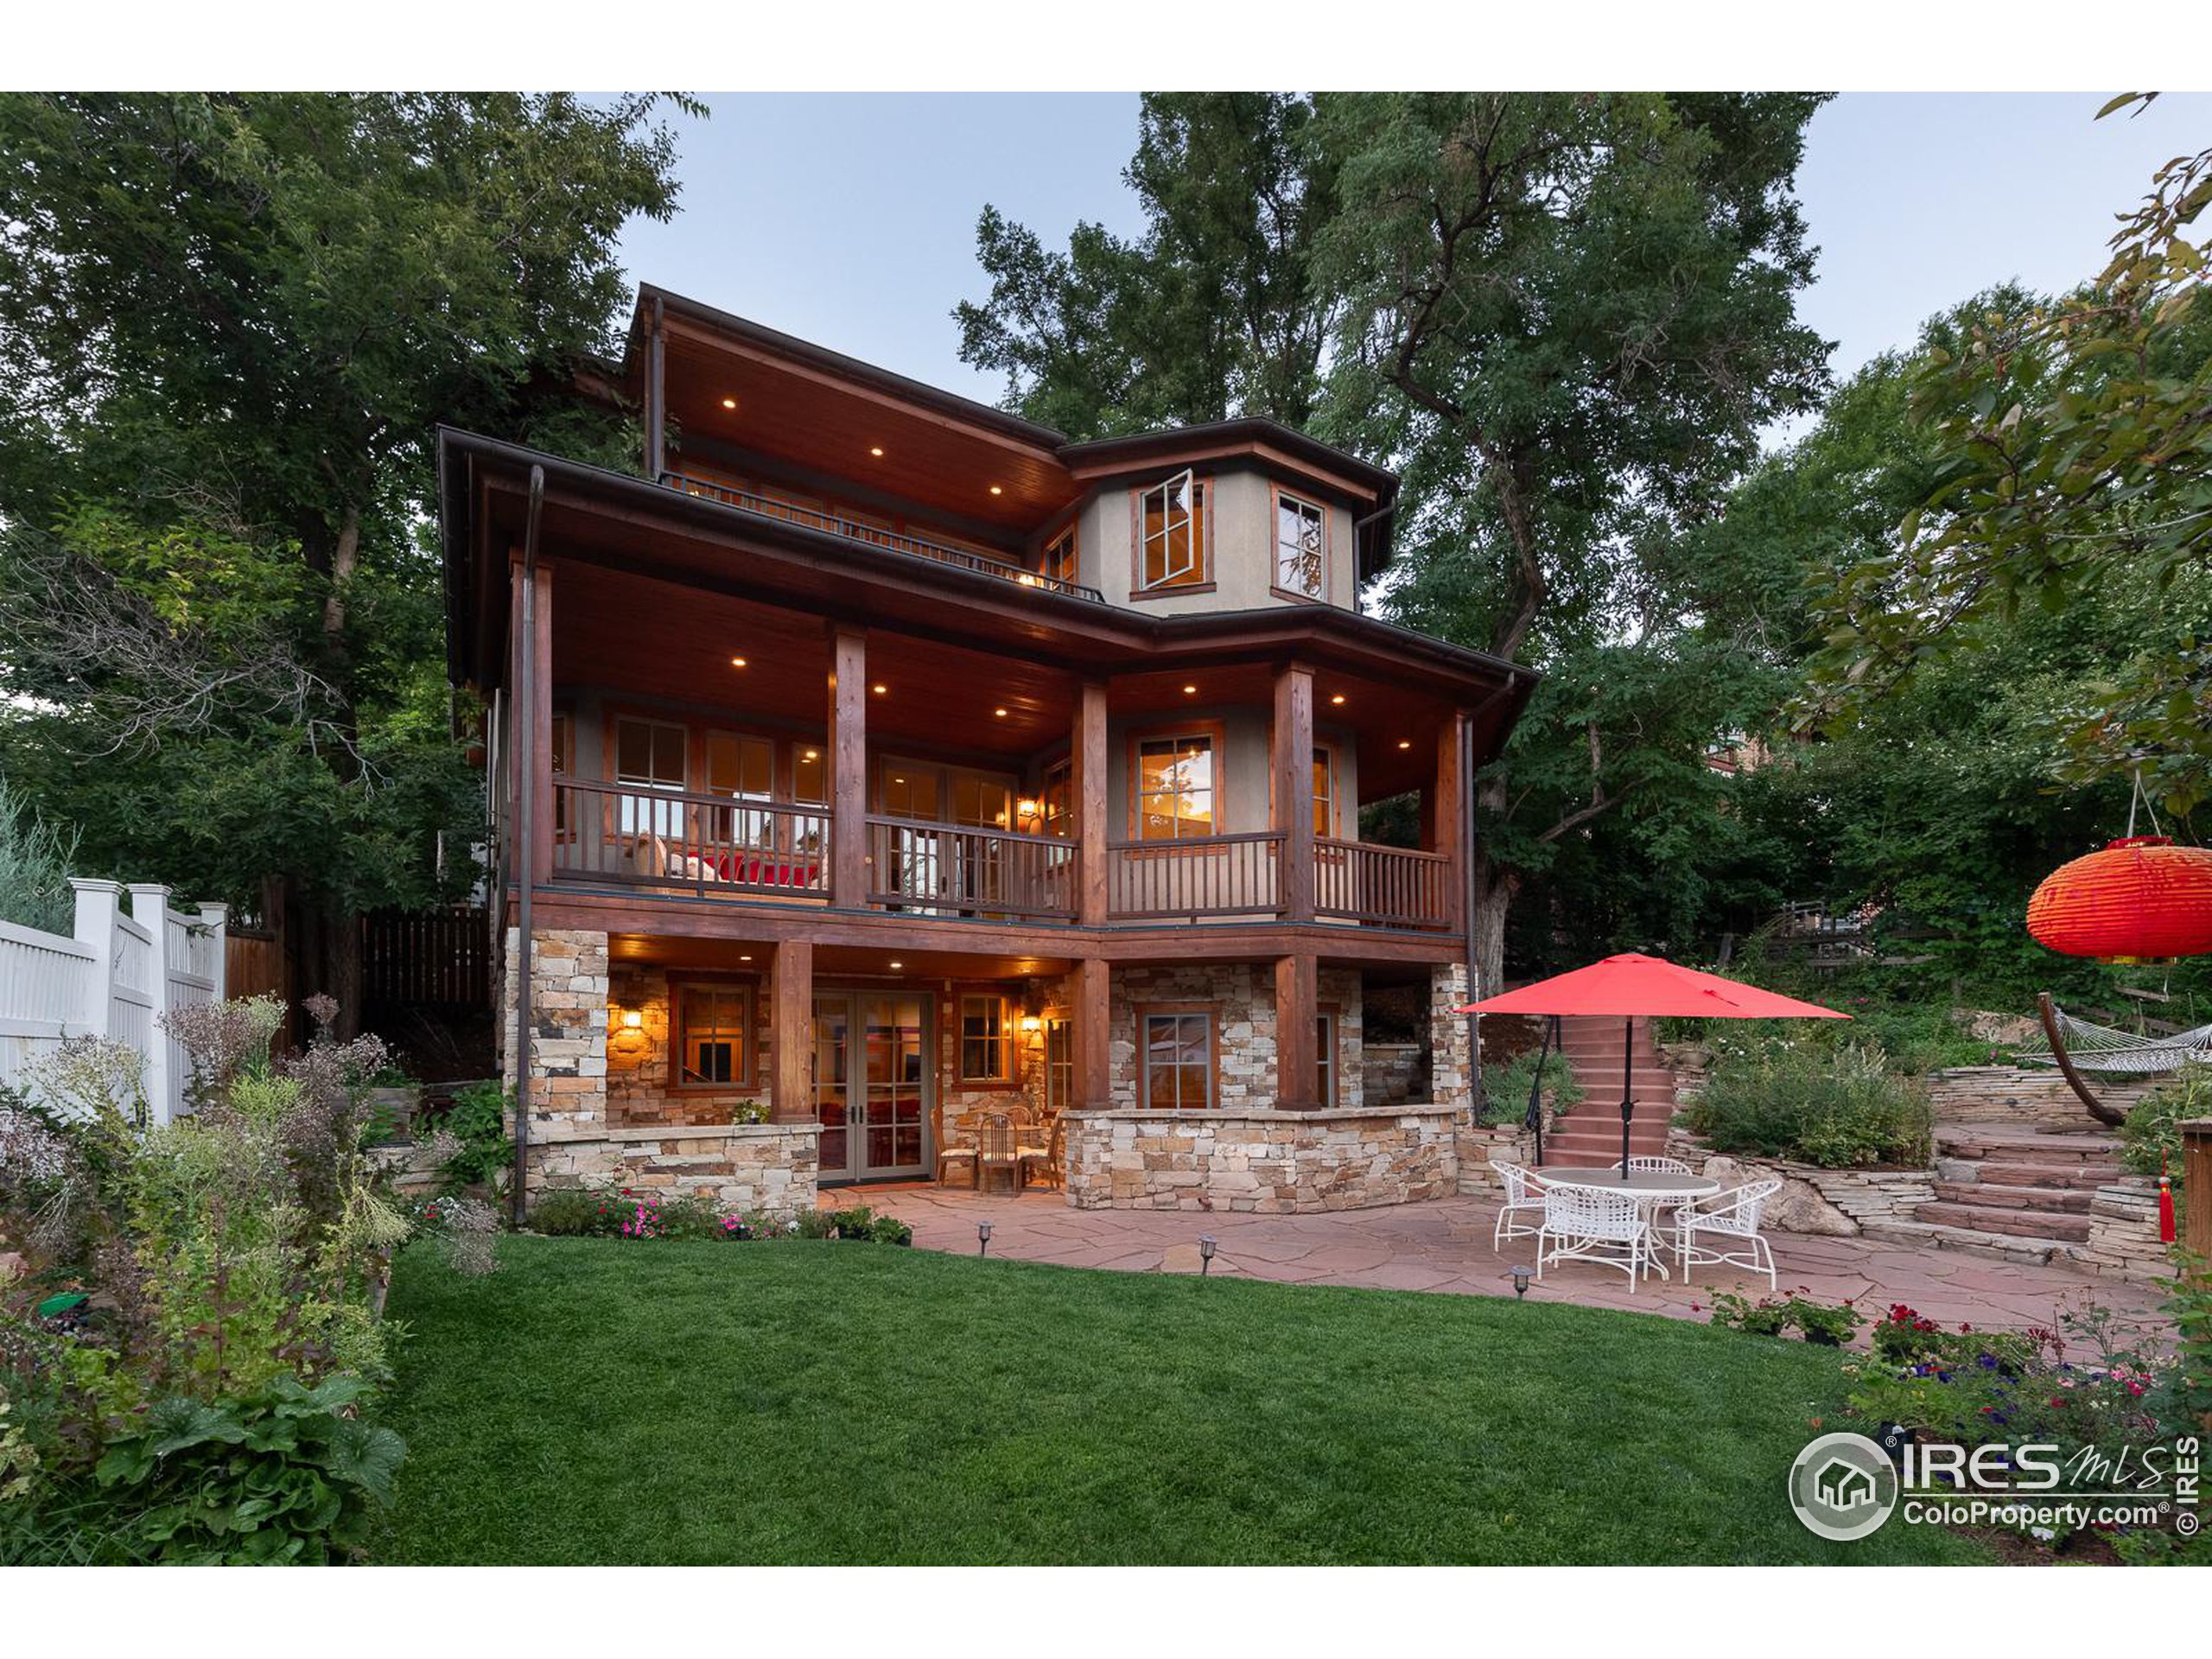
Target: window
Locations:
point(1059, 1064)
point(1059, 799)
point(981, 802)
point(1324, 1058)
point(986, 1040)
point(1059, 557)
point(809, 775)
point(1324, 795)
point(1301, 548)
point(714, 1050)
point(1175, 788)
point(910, 792)
point(1171, 531)
point(563, 749)
point(649, 755)
point(1178, 1062)
point(742, 769)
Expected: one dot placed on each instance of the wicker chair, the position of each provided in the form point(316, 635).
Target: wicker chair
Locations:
point(1524, 1198)
point(1732, 1215)
point(954, 1155)
point(1590, 1224)
point(1050, 1160)
point(996, 1150)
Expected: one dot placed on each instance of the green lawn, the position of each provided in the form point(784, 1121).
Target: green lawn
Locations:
point(598, 1402)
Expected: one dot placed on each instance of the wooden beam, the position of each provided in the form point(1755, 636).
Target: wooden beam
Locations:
point(1297, 1009)
point(1293, 793)
point(1445, 804)
point(1092, 1013)
point(541, 741)
point(848, 724)
point(655, 398)
point(791, 1099)
point(1087, 796)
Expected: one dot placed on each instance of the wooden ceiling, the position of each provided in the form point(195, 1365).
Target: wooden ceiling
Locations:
point(737, 955)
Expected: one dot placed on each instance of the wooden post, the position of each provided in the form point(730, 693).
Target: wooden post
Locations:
point(790, 1098)
point(1087, 797)
point(541, 743)
point(1297, 1009)
point(1293, 793)
point(1444, 808)
point(1092, 1014)
point(2196, 1181)
point(849, 851)
point(656, 399)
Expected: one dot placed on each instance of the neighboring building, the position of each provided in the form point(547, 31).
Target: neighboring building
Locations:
point(887, 753)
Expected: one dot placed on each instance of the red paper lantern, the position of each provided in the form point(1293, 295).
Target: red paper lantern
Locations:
point(2140, 898)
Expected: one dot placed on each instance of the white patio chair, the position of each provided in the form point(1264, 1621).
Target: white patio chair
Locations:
point(1650, 1164)
point(1732, 1215)
point(1524, 1197)
point(1589, 1223)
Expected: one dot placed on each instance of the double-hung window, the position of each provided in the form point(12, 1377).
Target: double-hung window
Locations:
point(649, 757)
point(1060, 556)
point(741, 768)
point(1171, 535)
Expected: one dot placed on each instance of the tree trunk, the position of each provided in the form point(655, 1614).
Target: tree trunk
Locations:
point(1494, 891)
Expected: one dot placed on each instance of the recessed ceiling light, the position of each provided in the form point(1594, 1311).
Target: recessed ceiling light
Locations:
point(881, 690)
point(996, 490)
point(1405, 743)
point(1189, 690)
point(876, 449)
point(897, 964)
point(1000, 713)
point(729, 403)
point(814, 754)
point(1337, 699)
point(745, 958)
point(737, 662)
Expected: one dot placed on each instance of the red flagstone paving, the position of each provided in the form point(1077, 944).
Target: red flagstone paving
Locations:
point(1445, 1246)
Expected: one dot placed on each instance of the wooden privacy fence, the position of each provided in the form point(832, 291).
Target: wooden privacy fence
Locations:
point(114, 976)
point(426, 959)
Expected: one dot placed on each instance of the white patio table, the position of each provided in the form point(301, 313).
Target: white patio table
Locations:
point(1650, 1187)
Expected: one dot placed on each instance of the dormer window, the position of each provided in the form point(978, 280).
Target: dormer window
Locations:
point(1301, 548)
point(1172, 550)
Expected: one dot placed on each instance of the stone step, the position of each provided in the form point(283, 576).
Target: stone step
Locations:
point(1985, 1195)
point(2022, 1224)
point(1967, 1241)
point(2087, 1176)
point(1970, 1143)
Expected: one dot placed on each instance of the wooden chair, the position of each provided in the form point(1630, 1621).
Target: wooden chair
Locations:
point(954, 1155)
point(1050, 1159)
point(995, 1150)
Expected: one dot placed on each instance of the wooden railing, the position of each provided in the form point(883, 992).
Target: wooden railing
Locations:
point(948, 869)
point(1213, 875)
point(709, 845)
point(1391, 887)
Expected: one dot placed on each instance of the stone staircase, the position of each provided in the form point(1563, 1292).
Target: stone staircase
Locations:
point(1592, 1134)
point(2022, 1194)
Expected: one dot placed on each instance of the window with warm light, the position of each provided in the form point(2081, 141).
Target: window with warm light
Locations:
point(1325, 794)
point(714, 1036)
point(1059, 800)
point(1175, 788)
point(1059, 1064)
point(986, 1040)
point(649, 755)
point(809, 775)
point(563, 748)
point(1301, 547)
point(1178, 1053)
point(1172, 524)
point(1324, 1058)
point(741, 768)
point(1060, 556)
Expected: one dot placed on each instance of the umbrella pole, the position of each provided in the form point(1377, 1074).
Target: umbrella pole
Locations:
point(1628, 1070)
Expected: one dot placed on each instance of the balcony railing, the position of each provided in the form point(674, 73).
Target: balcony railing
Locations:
point(945, 870)
point(710, 844)
point(914, 547)
point(1392, 886)
point(1212, 875)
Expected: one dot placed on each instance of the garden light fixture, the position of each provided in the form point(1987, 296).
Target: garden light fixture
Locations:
point(982, 1238)
point(1520, 1277)
point(1205, 1254)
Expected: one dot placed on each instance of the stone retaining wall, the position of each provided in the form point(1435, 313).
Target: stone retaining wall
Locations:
point(2027, 1097)
point(765, 1166)
point(1838, 1202)
point(1261, 1161)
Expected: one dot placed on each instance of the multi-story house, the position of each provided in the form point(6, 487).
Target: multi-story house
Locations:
point(879, 758)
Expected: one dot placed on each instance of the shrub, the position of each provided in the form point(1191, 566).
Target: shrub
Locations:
point(1818, 1322)
point(1506, 1085)
point(481, 1150)
point(2150, 1141)
point(574, 1212)
point(34, 860)
point(1841, 1112)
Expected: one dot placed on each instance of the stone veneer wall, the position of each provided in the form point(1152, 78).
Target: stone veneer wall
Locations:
point(1451, 1045)
point(641, 1063)
point(1260, 1161)
point(765, 1166)
point(1242, 996)
point(1838, 1202)
point(567, 1040)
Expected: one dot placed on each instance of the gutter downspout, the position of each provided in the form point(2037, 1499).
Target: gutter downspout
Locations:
point(525, 829)
point(1475, 991)
point(1357, 524)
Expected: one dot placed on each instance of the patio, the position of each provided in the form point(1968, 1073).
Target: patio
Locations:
point(1445, 1245)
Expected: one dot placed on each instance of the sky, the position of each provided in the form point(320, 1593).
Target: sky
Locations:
point(849, 219)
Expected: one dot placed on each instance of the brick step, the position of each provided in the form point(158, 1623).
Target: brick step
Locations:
point(1985, 1195)
point(1967, 1241)
point(2020, 1223)
point(2085, 1176)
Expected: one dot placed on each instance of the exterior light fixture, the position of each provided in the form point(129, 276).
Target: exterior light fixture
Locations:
point(1031, 1022)
point(1000, 713)
point(814, 754)
point(1405, 742)
point(897, 964)
point(729, 403)
point(1189, 690)
point(633, 1019)
point(876, 449)
point(737, 662)
point(995, 490)
point(1520, 1277)
point(982, 1238)
point(880, 690)
point(745, 958)
point(1205, 1254)
point(1338, 699)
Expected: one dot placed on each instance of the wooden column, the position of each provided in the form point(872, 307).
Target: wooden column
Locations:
point(1091, 1011)
point(1444, 808)
point(848, 767)
point(1293, 793)
point(2195, 1229)
point(533, 863)
point(790, 1098)
point(1297, 1008)
point(656, 399)
point(1087, 797)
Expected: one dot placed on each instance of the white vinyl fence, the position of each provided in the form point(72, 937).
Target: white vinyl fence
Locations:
point(115, 978)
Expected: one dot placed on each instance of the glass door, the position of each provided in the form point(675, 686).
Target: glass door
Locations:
point(872, 1103)
point(832, 1052)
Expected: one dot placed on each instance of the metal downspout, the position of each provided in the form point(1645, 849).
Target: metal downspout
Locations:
point(525, 826)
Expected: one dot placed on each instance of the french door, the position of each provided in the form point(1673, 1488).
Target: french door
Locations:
point(872, 1083)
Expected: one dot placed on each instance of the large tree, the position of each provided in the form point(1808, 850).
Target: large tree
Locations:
point(1569, 317)
point(229, 325)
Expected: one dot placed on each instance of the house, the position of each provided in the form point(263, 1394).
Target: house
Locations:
point(878, 760)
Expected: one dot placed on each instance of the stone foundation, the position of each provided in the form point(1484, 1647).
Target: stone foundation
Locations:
point(1265, 1162)
point(1241, 997)
point(568, 1039)
point(760, 1166)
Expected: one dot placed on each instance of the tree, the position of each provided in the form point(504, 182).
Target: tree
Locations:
point(1213, 312)
point(1569, 317)
point(229, 325)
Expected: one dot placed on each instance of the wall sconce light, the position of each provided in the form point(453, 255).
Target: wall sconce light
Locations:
point(1205, 1254)
point(1031, 1022)
point(633, 1019)
point(1030, 816)
point(1520, 1277)
point(982, 1238)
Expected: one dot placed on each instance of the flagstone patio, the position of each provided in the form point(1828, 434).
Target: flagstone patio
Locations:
point(1446, 1246)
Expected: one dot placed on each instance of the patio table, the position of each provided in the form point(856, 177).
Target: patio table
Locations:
point(1649, 1187)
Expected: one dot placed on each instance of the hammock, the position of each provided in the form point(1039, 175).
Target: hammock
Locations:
point(2099, 1048)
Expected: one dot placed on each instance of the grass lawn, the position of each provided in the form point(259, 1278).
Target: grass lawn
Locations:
point(597, 1401)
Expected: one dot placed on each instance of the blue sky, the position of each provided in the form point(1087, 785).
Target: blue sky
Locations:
point(849, 219)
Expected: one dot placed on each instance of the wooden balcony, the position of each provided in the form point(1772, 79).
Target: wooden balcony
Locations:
point(703, 846)
point(944, 869)
point(1212, 875)
point(1384, 887)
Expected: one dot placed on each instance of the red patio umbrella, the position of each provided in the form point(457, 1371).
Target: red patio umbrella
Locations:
point(1631, 985)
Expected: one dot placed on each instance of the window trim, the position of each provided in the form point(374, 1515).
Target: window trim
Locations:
point(680, 992)
point(1071, 568)
point(1203, 517)
point(1007, 1038)
point(1216, 734)
point(1276, 494)
point(1144, 1014)
point(1331, 750)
